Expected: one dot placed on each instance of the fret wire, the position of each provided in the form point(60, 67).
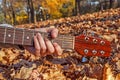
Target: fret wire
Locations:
point(62, 38)
point(23, 37)
point(14, 36)
point(43, 34)
point(33, 37)
point(73, 42)
point(5, 35)
point(33, 33)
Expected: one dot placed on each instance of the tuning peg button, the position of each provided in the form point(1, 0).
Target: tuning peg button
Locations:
point(95, 40)
point(86, 51)
point(94, 52)
point(102, 42)
point(102, 52)
point(86, 38)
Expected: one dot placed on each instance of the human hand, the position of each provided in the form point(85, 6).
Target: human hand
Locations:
point(43, 46)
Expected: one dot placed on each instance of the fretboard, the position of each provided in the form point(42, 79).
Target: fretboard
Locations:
point(20, 36)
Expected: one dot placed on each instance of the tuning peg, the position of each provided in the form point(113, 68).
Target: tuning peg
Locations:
point(94, 52)
point(86, 51)
point(95, 40)
point(84, 59)
point(86, 38)
point(102, 42)
point(102, 52)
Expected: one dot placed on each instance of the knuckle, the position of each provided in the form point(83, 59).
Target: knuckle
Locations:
point(52, 50)
point(43, 49)
point(37, 49)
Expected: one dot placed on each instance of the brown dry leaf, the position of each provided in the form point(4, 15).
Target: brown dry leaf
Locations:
point(108, 74)
point(54, 75)
point(30, 56)
point(87, 78)
point(2, 54)
point(35, 75)
point(118, 77)
point(10, 54)
point(110, 37)
point(1, 77)
point(118, 64)
point(24, 72)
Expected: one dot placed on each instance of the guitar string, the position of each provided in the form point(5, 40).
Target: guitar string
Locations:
point(79, 41)
point(63, 37)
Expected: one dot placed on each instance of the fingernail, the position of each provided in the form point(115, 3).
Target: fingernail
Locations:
point(55, 44)
point(38, 34)
point(46, 39)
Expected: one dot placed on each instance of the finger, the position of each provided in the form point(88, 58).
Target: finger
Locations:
point(37, 46)
point(49, 45)
point(54, 32)
point(42, 44)
point(58, 49)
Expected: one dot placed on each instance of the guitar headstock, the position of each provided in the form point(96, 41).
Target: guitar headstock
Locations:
point(92, 46)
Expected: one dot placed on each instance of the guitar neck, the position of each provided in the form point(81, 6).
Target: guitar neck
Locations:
point(20, 36)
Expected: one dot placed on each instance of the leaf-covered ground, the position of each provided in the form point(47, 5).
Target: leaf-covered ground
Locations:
point(17, 64)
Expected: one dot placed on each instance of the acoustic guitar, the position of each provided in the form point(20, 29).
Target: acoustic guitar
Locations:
point(84, 45)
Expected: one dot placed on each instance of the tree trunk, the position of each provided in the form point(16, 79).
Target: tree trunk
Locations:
point(4, 10)
point(28, 11)
point(32, 12)
point(77, 7)
point(13, 12)
point(101, 4)
point(111, 3)
point(118, 3)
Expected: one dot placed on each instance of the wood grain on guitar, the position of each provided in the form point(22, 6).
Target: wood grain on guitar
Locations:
point(84, 45)
point(91, 46)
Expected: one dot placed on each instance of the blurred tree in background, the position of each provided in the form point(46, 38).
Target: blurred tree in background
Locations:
point(30, 11)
